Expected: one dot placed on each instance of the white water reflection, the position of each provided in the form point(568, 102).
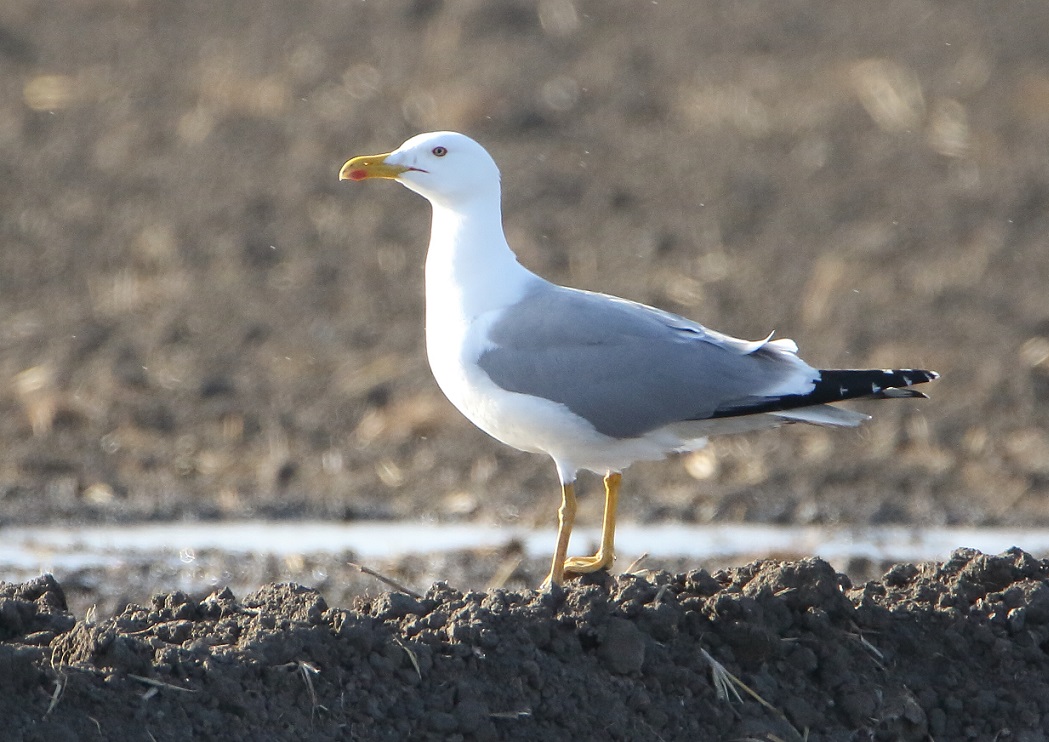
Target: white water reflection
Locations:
point(26, 550)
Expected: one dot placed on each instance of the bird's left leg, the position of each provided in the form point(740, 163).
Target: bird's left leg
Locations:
point(565, 521)
point(605, 555)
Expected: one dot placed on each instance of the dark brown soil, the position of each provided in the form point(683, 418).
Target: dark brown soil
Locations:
point(198, 321)
point(958, 650)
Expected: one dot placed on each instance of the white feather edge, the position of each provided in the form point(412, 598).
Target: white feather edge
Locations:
point(824, 415)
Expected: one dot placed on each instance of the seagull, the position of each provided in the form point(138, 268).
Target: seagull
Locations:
point(593, 381)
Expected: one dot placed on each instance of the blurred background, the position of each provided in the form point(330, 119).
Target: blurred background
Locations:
point(198, 322)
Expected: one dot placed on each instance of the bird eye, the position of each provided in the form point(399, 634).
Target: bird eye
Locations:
point(440, 151)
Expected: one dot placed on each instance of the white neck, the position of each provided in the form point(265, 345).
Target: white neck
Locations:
point(470, 268)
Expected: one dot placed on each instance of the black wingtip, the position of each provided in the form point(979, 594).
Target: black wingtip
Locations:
point(838, 385)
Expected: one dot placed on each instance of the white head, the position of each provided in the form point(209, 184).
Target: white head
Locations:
point(446, 168)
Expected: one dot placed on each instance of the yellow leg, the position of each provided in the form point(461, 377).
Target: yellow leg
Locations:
point(605, 555)
point(565, 521)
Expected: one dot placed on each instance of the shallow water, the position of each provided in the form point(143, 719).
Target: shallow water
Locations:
point(30, 550)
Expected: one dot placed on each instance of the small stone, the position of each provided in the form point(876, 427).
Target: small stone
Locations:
point(622, 648)
point(443, 722)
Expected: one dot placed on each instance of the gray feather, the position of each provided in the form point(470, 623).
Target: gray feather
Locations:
point(626, 368)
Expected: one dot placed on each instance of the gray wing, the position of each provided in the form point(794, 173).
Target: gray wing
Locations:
point(627, 368)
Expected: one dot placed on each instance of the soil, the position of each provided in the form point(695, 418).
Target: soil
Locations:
point(197, 321)
point(770, 651)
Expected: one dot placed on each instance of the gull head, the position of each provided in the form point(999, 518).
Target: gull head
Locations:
point(446, 168)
